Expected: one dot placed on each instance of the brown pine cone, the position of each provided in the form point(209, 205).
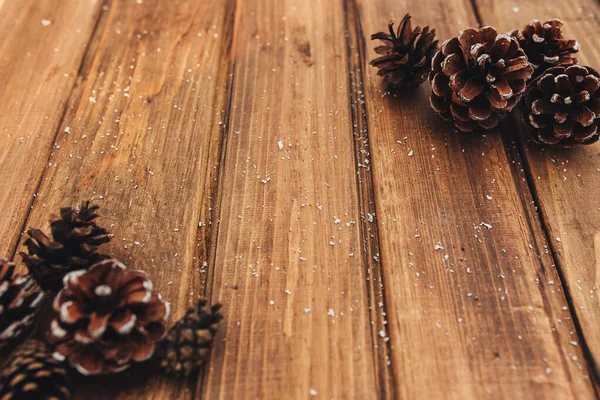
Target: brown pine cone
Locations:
point(477, 78)
point(107, 318)
point(74, 245)
point(33, 374)
point(545, 45)
point(19, 302)
point(188, 342)
point(406, 55)
point(562, 106)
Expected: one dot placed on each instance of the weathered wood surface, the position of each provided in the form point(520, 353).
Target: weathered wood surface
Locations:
point(289, 265)
point(471, 306)
point(565, 182)
point(141, 138)
point(244, 150)
point(41, 48)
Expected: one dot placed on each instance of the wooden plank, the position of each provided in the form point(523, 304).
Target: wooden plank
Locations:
point(41, 47)
point(566, 181)
point(289, 265)
point(473, 312)
point(141, 138)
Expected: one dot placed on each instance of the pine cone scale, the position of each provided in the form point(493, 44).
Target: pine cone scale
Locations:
point(19, 302)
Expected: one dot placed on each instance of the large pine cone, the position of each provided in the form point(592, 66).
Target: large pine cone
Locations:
point(74, 245)
point(19, 303)
point(477, 78)
point(545, 45)
point(33, 374)
point(107, 318)
point(188, 342)
point(406, 55)
point(562, 107)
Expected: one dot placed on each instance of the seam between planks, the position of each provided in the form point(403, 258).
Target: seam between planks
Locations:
point(516, 158)
point(364, 178)
point(504, 129)
point(529, 183)
point(63, 113)
point(215, 214)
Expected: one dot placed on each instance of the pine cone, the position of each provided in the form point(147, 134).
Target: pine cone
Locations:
point(406, 55)
point(545, 45)
point(19, 302)
point(107, 318)
point(33, 374)
point(562, 106)
point(477, 78)
point(76, 238)
point(188, 342)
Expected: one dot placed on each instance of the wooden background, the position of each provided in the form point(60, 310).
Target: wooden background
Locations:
point(244, 150)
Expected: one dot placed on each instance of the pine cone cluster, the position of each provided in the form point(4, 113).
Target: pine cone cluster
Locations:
point(32, 373)
point(74, 246)
point(188, 342)
point(477, 78)
point(562, 106)
point(19, 301)
point(107, 318)
point(545, 45)
point(405, 55)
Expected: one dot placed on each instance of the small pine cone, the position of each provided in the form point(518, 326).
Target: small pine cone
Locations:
point(33, 374)
point(74, 245)
point(19, 302)
point(107, 318)
point(545, 45)
point(562, 106)
point(406, 55)
point(477, 78)
point(188, 342)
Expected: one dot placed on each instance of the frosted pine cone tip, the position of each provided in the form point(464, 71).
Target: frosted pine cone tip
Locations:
point(545, 46)
point(477, 77)
point(562, 107)
point(107, 318)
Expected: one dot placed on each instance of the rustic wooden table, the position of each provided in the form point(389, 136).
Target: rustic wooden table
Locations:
point(244, 150)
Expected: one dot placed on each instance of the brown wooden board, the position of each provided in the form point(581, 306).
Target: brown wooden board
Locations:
point(289, 264)
point(42, 44)
point(565, 182)
point(246, 151)
point(473, 310)
point(141, 138)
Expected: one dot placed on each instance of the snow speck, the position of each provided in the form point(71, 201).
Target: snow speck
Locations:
point(312, 392)
point(46, 22)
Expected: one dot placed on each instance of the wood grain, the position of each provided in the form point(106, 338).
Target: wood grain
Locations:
point(141, 138)
point(473, 312)
point(41, 47)
point(289, 265)
point(565, 182)
point(245, 150)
